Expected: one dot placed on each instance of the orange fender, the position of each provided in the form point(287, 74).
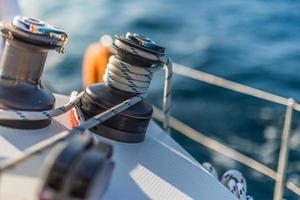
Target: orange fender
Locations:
point(94, 63)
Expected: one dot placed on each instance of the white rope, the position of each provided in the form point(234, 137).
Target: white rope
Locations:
point(233, 180)
point(130, 78)
point(223, 149)
point(38, 115)
point(79, 117)
point(98, 119)
point(210, 169)
point(134, 79)
point(167, 96)
point(236, 183)
point(76, 109)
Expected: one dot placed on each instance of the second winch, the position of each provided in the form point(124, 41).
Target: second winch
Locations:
point(128, 73)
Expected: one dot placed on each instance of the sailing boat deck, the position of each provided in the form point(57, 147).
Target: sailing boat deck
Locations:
point(155, 168)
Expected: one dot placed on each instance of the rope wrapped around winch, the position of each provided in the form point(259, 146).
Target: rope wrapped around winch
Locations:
point(136, 79)
point(129, 74)
point(119, 74)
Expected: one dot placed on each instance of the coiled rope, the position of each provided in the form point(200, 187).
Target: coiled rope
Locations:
point(134, 79)
point(233, 180)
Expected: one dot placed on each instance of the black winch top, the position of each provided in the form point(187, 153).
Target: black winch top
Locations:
point(34, 31)
point(139, 41)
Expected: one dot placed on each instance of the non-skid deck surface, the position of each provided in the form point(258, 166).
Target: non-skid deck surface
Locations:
point(158, 168)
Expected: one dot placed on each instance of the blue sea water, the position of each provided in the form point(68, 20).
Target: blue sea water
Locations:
point(255, 42)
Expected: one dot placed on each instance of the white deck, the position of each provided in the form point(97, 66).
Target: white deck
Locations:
point(158, 168)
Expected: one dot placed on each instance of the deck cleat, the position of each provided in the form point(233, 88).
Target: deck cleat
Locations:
point(128, 74)
point(27, 42)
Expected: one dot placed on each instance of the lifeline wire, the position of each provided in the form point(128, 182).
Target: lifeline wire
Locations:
point(133, 79)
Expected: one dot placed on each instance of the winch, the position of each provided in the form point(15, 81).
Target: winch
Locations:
point(28, 41)
point(129, 72)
